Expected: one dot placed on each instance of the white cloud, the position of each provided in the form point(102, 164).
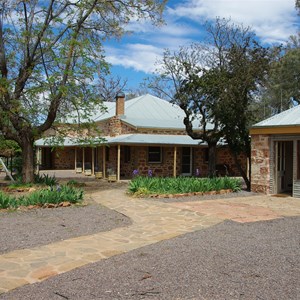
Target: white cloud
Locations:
point(140, 57)
point(272, 20)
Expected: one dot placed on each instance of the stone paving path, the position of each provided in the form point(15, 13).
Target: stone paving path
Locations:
point(153, 221)
point(247, 209)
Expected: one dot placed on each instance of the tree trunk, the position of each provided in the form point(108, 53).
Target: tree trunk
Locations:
point(27, 160)
point(242, 172)
point(212, 158)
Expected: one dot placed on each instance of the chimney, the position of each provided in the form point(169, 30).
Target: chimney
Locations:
point(120, 104)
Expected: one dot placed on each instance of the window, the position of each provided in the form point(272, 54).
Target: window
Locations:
point(186, 158)
point(206, 155)
point(154, 155)
point(127, 154)
point(107, 153)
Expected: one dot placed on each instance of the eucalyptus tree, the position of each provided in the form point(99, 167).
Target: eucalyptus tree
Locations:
point(183, 79)
point(50, 50)
point(283, 83)
point(215, 83)
point(238, 84)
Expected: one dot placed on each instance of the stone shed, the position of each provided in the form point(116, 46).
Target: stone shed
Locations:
point(275, 157)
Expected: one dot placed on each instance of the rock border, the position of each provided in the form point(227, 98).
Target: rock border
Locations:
point(220, 192)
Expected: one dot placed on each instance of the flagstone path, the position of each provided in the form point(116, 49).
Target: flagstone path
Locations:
point(153, 221)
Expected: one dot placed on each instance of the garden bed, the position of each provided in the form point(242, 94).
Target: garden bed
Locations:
point(45, 192)
point(182, 186)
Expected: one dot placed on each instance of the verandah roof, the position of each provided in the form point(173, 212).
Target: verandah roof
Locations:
point(128, 139)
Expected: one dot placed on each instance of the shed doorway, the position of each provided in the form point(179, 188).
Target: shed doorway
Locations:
point(284, 167)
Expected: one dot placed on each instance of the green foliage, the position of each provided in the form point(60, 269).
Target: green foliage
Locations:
point(45, 179)
point(53, 195)
point(75, 183)
point(215, 84)
point(19, 184)
point(17, 165)
point(140, 185)
point(283, 85)
point(9, 145)
point(53, 50)
point(40, 197)
point(5, 200)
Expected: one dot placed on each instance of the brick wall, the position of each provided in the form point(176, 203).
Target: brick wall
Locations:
point(260, 163)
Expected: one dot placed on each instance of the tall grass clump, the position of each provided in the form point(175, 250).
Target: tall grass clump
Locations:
point(5, 200)
point(45, 179)
point(140, 185)
point(54, 195)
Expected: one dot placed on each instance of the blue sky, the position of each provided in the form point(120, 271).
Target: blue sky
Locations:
point(134, 56)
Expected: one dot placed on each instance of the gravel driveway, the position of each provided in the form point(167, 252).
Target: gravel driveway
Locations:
point(27, 229)
point(228, 261)
point(231, 260)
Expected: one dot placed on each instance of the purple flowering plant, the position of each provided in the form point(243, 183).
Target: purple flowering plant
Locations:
point(135, 172)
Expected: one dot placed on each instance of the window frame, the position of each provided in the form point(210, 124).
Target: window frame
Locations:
point(153, 150)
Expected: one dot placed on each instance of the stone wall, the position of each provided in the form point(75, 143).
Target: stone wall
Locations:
point(224, 157)
point(63, 159)
point(139, 161)
point(260, 163)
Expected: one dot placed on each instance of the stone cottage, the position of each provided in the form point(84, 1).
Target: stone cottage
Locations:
point(275, 157)
point(144, 134)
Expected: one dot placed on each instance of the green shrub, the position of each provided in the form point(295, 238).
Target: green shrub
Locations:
point(5, 200)
point(45, 179)
point(170, 185)
point(53, 195)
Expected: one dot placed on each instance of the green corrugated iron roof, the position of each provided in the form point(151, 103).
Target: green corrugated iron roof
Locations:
point(146, 111)
point(288, 117)
point(126, 139)
point(131, 139)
